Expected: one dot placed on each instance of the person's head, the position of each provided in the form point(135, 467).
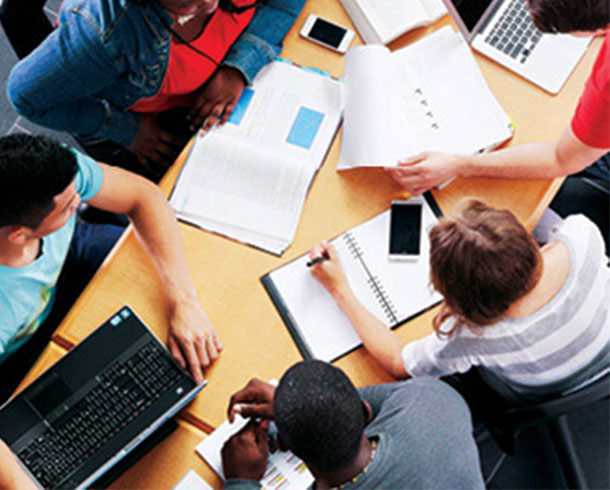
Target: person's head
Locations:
point(319, 415)
point(37, 194)
point(570, 16)
point(481, 261)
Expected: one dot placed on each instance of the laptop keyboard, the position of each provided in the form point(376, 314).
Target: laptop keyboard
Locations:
point(124, 390)
point(515, 34)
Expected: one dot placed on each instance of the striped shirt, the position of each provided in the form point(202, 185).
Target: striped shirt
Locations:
point(552, 346)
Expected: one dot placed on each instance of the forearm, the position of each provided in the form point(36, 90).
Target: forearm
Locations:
point(543, 160)
point(261, 42)
point(156, 226)
point(383, 344)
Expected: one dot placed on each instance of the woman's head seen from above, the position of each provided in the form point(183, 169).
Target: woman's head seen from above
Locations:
point(481, 260)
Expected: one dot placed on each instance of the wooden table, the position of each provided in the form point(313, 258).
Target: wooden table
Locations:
point(227, 273)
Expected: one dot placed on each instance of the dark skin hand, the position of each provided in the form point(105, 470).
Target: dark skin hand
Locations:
point(153, 146)
point(254, 400)
point(216, 99)
point(245, 455)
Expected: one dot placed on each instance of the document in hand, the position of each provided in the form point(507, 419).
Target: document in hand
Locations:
point(382, 21)
point(249, 178)
point(428, 96)
point(284, 469)
point(393, 291)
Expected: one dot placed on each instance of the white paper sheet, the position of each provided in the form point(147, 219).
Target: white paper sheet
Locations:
point(438, 100)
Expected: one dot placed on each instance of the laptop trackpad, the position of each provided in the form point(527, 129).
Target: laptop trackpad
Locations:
point(17, 418)
point(47, 394)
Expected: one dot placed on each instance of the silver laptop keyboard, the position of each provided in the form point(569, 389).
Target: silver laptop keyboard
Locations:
point(514, 33)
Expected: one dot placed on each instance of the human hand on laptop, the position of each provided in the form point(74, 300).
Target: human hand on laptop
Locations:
point(425, 171)
point(11, 474)
point(192, 339)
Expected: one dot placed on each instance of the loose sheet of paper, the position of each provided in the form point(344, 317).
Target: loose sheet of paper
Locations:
point(438, 100)
point(248, 180)
point(192, 481)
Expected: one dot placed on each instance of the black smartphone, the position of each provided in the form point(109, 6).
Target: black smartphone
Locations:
point(405, 230)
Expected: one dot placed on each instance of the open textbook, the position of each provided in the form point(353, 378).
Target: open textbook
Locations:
point(430, 95)
point(249, 178)
point(382, 21)
point(393, 291)
point(284, 470)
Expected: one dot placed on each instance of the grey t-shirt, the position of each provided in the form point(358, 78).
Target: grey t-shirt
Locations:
point(424, 438)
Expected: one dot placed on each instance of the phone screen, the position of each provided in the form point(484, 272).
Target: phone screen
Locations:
point(405, 229)
point(327, 33)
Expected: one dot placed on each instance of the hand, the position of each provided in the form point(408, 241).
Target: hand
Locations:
point(254, 400)
point(245, 455)
point(192, 340)
point(425, 171)
point(329, 272)
point(11, 473)
point(217, 98)
point(153, 146)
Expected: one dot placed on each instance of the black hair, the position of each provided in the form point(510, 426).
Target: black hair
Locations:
point(33, 170)
point(565, 16)
point(319, 415)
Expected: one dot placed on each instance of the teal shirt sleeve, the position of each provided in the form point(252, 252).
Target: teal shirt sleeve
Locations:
point(89, 177)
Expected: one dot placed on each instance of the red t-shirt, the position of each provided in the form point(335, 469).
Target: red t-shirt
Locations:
point(591, 121)
point(187, 70)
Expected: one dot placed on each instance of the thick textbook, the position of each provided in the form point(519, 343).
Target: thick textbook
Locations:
point(382, 21)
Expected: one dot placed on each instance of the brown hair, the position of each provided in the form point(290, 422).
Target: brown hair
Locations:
point(569, 15)
point(481, 261)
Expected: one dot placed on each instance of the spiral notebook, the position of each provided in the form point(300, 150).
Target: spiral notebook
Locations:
point(394, 291)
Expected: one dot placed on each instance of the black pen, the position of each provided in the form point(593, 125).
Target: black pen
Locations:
point(317, 260)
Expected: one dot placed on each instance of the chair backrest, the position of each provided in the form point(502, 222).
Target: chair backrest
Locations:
point(538, 412)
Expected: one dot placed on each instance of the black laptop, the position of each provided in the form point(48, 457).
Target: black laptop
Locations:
point(78, 420)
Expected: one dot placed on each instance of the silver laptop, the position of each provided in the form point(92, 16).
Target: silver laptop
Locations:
point(503, 31)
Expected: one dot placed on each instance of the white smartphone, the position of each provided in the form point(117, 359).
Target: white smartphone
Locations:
point(405, 230)
point(327, 34)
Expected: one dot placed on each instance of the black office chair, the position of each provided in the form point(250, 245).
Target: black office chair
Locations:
point(505, 427)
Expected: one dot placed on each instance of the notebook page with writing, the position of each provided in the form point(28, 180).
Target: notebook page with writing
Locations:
point(393, 291)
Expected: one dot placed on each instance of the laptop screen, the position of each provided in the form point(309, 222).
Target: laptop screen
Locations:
point(470, 11)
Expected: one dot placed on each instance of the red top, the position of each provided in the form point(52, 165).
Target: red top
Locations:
point(187, 70)
point(591, 121)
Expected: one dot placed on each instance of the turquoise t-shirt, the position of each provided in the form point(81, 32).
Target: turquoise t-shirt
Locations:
point(27, 293)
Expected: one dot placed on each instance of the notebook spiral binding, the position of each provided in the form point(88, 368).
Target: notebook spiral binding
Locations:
point(383, 299)
point(373, 281)
point(352, 246)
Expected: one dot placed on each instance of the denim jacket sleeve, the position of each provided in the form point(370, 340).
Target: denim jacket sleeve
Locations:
point(261, 42)
point(238, 484)
point(54, 85)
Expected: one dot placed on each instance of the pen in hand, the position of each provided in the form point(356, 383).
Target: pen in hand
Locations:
point(319, 259)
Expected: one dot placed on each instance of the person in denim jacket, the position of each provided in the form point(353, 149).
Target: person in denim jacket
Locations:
point(100, 74)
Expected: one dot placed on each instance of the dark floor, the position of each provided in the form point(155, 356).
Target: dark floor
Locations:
point(534, 465)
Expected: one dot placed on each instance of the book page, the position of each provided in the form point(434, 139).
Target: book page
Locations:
point(391, 18)
point(447, 105)
point(249, 178)
point(371, 127)
point(284, 469)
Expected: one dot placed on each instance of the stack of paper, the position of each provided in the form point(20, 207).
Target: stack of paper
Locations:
point(248, 179)
point(428, 96)
point(382, 21)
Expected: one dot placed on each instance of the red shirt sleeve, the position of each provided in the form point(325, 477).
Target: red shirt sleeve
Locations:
point(591, 121)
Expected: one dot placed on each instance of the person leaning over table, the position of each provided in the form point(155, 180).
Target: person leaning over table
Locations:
point(413, 434)
point(537, 318)
point(47, 255)
point(582, 149)
point(134, 79)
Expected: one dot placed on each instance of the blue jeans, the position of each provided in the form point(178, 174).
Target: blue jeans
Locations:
point(88, 248)
point(588, 193)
